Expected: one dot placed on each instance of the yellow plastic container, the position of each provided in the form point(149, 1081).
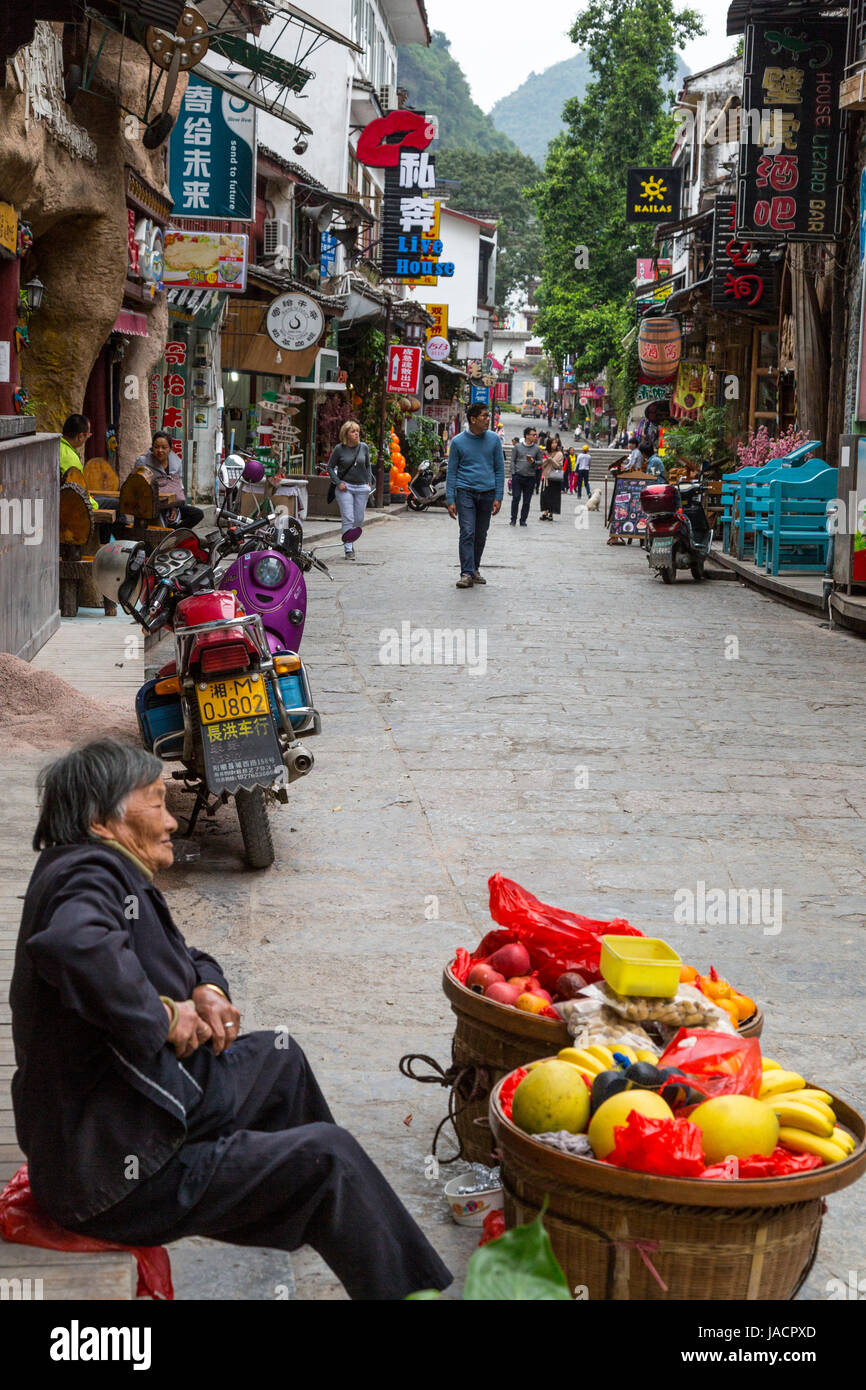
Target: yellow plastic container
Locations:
point(641, 965)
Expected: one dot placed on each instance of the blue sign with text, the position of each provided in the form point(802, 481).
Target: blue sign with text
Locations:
point(212, 155)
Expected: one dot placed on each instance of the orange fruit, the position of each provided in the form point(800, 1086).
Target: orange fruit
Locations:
point(713, 989)
point(730, 1009)
point(744, 1005)
point(530, 1003)
point(688, 974)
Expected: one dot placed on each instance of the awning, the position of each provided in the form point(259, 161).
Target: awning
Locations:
point(308, 21)
point(741, 12)
point(273, 103)
point(131, 324)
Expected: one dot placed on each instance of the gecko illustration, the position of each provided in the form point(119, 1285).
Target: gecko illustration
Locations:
point(798, 44)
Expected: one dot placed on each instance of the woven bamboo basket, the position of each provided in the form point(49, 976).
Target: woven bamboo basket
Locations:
point(491, 1040)
point(630, 1236)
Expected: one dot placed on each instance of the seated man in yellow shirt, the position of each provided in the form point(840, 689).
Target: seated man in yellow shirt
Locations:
point(76, 432)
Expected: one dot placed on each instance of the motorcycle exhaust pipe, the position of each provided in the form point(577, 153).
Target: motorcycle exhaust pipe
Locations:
point(298, 763)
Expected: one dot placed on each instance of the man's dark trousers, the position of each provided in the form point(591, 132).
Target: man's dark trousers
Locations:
point(267, 1166)
point(474, 510)
point(522, 487)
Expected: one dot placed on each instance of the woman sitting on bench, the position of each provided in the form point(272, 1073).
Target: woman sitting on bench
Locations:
point(163, 461)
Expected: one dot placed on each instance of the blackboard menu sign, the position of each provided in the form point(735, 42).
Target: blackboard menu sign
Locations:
point(792, 130)
point(241, 753)
point(738, 283)
point(626, 516)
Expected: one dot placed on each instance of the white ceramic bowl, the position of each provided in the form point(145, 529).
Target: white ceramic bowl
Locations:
point(471, 1211)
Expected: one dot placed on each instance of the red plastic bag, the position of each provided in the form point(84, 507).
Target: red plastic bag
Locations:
point(21, 1223)
point(509, 1086)
point(493, 1226)
point(665, 1148)
point(556, 940)
point(717, 1064)
point(780, 1164)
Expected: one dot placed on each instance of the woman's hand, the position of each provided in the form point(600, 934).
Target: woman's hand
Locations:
point(341, 487)
point(219, 1014)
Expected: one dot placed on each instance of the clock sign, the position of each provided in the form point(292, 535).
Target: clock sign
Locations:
point(294, 322)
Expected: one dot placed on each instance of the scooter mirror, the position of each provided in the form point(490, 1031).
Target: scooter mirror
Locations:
point(353, 534)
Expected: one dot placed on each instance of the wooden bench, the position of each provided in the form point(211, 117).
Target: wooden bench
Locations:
point(796, 523)
point(141, 499)
point(102, 483)
point(79, 541)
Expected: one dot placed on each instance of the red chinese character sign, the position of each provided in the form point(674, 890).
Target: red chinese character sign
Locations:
point(739, 280)
point(792, 133)
point(404, 370)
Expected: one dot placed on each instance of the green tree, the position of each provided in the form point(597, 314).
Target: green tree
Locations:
point(493, 185)
point(624, 119)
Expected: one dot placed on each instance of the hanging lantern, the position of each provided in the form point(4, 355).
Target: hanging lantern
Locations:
point(659, 347)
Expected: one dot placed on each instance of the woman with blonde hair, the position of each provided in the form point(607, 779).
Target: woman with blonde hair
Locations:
point(351, 476)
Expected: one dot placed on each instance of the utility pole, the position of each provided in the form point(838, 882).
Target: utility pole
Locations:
point(380, 469)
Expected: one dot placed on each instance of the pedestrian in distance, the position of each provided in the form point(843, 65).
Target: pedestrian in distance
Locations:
point(351, 474)
point(584, 463)
point(127, 1042)
point(635, 458)
point(526, 459)
point(551, 482)
point(161, 459)
point(474, 488)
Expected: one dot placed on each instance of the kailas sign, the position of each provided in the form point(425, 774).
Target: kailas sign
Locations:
point(794, 193)
point(653, 194)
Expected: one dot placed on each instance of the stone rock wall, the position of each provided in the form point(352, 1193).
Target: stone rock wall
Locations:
point(77, 208)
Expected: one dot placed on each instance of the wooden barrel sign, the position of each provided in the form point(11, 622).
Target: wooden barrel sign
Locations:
point(659, 346)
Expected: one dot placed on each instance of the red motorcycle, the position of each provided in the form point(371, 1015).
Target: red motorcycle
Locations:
point(678, 533)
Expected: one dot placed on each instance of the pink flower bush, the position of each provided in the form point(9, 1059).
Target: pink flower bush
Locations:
point(760, 448)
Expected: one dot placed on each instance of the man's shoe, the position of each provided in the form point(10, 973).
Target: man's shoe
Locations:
point(465, 581)
point(523, 523)
point(512, 523)
point(478, 578)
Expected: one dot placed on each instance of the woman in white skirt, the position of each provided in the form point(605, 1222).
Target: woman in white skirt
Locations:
point(352, 476)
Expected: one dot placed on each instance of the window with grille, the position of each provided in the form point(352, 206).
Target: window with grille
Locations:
point(857, 34)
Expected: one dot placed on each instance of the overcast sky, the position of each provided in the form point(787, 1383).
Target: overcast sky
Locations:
point(498, 45)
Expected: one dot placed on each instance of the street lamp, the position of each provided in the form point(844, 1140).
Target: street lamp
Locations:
point(35, 293)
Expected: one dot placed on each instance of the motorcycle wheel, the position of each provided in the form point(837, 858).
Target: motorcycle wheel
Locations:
point(697, 570)
point(669, 575)
point(413, 504)
point(255, 827)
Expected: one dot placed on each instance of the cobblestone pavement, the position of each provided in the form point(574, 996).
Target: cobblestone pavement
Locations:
point(624, 742)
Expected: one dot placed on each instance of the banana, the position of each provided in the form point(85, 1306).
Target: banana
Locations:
point(777, 1082)
point(603, 1054)
point(799, 1142)
point(806, 1117)
point(645, 1056)
point(579, 1057)
point(769, 1065)
point(810, 1095)
point(843, 1138)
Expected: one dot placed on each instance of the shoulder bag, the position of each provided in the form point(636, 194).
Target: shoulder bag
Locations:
point(332, 491)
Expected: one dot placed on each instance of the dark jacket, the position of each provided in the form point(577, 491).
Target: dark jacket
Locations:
point(96, 1082)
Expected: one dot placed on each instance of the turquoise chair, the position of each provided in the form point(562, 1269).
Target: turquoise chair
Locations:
point(796, 525)
point(752, 493)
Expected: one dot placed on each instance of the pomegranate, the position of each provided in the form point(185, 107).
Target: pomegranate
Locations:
point(502, 993)
point(512, 959)
point(482, 975)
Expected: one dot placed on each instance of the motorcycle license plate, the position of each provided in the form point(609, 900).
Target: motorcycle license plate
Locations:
point(240, 697)
point(660, 555)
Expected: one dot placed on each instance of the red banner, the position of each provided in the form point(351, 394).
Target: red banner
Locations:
point(404, 370)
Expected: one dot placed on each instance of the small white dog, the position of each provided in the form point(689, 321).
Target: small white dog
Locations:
point(595, 501)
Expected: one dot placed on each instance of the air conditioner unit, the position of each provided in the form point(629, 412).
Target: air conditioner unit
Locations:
point(278, 232)
point(388, 98)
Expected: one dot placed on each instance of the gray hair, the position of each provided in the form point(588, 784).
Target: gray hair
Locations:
point(88, 784)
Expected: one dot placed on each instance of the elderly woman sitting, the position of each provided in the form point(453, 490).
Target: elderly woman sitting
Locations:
point(143, 1115)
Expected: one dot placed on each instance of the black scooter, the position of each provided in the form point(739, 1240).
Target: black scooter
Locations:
point(427, 488)
point(678, 534)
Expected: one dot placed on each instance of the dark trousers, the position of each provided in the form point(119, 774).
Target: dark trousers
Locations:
point(522, 489)
point(279, 1173)
point(187, 516)
point(583, 478)
point(474, 510)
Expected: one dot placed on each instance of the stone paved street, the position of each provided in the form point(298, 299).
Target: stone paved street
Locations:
point(610, 754)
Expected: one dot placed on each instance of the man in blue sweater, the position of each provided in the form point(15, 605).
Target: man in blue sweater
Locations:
point(474, 489)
